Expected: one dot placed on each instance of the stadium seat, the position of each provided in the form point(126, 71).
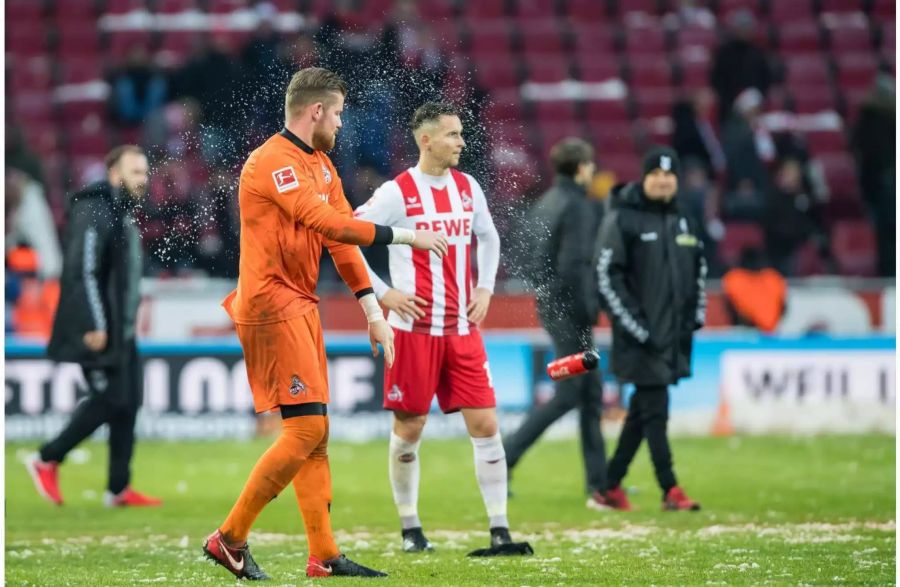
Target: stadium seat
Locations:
point(447, 34)
point(739, 236)
point(27, 39)
point(853, 247)
point(541, 37)
point(840, 175)
point(707, 38)
point(435, 10)
point(849, 35)
point(120, 42)
point(605, 111)
point(594, 38)
point(885, 10)
point(492, 73)
point(68, 11)
point(175, 6)
point(586, 10)
point(727, 7)
point(612, 137)
point(484, 9)
point(646, 36)
point(555, 111)
point(597, 68)
point(802, 36)
point(840, 6)
point(553, 132)
point(179, 44)
point(806, 70)
point(654, 102)
point(546, 69)
point(646, 73)
point(826, 141)
point(852, 99)
point(31, 107)
point(811, 99)
point(30, 73)
point(642, 6)
point(21, 11)
point(489, 37)
point(856, 70)
point(78, 70)
point(226, 6)
point(809, 261)
point(792, 11)
point(693, 66)
point(533, 9)
point(504, 105)
point(82, 39)
point(626, 167)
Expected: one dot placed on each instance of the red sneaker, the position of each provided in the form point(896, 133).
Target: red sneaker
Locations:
point(616, 499)
point(129, 497)
point(238, 561)
point(677, 500)
point(45, 477)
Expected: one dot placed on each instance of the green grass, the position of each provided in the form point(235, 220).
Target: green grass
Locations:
point(776, 511)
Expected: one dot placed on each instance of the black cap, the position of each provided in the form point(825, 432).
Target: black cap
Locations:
point(664, 158)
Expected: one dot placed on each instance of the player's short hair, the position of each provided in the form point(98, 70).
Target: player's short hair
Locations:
point(113, 157)
point(311, 85)
point(569, 153)
point(431, 112)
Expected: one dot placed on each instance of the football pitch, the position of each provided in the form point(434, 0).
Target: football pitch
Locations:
point(776, 511)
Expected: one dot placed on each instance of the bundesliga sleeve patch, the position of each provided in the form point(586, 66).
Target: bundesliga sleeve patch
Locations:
point(285, 179)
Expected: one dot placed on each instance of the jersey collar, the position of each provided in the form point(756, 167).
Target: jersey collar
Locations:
point(296, 140)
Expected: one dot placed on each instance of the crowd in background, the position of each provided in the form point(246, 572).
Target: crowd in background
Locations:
point(200, 120)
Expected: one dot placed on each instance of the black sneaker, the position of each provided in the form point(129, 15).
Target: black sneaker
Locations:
point(414, 541)
point(502, 545)
point(238, 561)
point(339, 566)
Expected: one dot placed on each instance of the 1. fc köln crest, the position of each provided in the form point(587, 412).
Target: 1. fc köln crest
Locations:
point(285, 179)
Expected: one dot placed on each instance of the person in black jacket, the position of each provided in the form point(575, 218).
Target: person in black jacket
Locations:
point(650, 272)
point(95, 325)
point(561, 226)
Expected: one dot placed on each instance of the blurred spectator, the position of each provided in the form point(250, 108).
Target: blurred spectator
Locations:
point(791, 218)
point(694, 134)
point(19, 156)
point(755, 295)
point(739, 63)
point(29, 222)
point(696, 200)
point(690, 14)
point(748, 148)
point(138, 88)
point(874, 144)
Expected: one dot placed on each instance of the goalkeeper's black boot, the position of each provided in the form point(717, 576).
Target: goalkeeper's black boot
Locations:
point(339, 566)
point(502, 545)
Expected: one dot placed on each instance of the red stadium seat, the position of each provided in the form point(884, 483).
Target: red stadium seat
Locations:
point(68, 11)
point(654, 102)
point(435, 10)
point(856, 70)
point(586, 10)
point(707, 38)
point(840, 175)
point(180, 44)
point(799, 36)
point(125, 6)
point(174, 6)
point(541, 37)
point(739, 236)
point(811, 99)
point(853, 246)
point(546, 69)
point(494, 9)
point(853, 98)
point(20, 11)
point(840, 6)
point(533, 9)
point(504, 105)
point(447, 34)
point(644, 6)
point(78, 40)
point(694, 65)
point(30, 73)
point(121, 42)
point(597, 68)
point(645, 36)
point(80, 70)
point(848, 34)
point(612, 137)
point(605, 111)
point(86, 140)
point(885, 10)
point(626, 167)
point(826, 141)
point(593, 38)
point(791, 11)
point(649, 73)
point(32, 107)
point(29, 38)
point(555, 111)
point(727, 7)
point(226, 6)
point(491, 73)
point(807, 70)
point(490, 37)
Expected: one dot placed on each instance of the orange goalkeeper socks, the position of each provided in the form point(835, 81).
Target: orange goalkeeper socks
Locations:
point(312, 486)
point(276, 468)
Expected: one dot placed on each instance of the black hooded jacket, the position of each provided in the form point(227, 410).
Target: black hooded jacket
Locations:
point(99, 287)
point(651, 275)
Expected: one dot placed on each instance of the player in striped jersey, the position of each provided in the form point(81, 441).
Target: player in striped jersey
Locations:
point(435, 314)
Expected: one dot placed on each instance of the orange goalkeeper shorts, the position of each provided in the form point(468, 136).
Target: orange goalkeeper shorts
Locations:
point(286, 362)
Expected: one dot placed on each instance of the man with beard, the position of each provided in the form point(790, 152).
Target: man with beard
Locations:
point(292, 202)
point(94, 325)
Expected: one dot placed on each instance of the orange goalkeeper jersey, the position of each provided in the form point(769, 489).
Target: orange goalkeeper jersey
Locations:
point(291, 203)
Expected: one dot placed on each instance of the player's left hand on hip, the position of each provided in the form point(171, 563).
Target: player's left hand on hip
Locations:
point(380, 332)
point(478, 307)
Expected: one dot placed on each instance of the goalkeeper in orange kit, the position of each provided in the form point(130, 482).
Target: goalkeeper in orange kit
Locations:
point(291, 203)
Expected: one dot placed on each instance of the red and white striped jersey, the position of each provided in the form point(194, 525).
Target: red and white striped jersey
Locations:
point(452, 204)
